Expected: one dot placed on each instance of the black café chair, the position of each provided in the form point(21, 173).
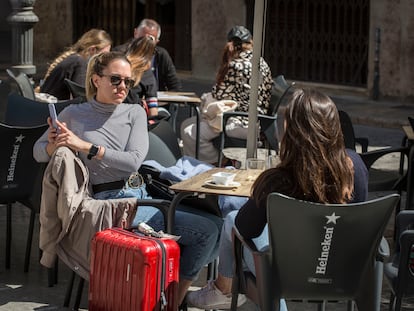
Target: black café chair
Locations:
point(19, 174)
point(400, 270)
point(23, 111)
point(379, 179)
point(23, 83)
point(268, 123)
point(77, 90)
point(317, 252)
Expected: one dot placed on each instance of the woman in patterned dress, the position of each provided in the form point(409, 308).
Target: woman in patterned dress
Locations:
point(232, 83)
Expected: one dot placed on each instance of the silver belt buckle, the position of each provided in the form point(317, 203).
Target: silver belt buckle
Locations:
point(135, 180)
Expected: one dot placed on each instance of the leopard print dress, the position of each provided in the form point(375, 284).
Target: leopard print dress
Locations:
point(236, 84)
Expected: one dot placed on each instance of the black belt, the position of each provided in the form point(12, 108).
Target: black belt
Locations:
point(119, 184)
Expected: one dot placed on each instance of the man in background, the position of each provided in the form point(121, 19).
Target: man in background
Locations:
point(162, 65)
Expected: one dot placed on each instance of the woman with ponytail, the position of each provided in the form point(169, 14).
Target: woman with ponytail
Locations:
point(72, 63)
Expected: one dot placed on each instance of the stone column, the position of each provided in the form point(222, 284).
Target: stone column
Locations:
point(22, 21)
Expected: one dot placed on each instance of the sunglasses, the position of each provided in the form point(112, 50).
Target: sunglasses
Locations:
point(116, 81)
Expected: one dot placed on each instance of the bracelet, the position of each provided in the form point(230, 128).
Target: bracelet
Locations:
point(152, 102)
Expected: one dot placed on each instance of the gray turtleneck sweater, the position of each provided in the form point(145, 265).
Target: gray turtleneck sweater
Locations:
point(121, 129)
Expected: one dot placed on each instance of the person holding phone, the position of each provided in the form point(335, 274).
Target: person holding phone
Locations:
point(111, 139)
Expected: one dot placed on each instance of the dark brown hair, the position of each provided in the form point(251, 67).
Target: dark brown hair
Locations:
point(231, 51)
point(312, 153)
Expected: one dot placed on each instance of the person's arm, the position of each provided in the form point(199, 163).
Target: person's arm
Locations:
point(78, 70)
point(265, 88)
point(167, 74)
point(149, 92)
point(360, 193)
point(40, 153)
point(251, 220)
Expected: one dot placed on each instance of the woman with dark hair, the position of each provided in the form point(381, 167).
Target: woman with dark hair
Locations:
point(232, 83)
point(111, 139)
point(140, 52)
point(315, 166)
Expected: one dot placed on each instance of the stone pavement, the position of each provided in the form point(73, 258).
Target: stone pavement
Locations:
point(379, 120)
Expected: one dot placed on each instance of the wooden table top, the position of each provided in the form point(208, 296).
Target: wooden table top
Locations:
point(408, 130)
point(197, 184)
point(184, 97)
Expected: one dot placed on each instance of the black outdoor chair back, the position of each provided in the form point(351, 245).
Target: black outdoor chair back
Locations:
point(24, 112)
point(19, 173)
point(23, 83)
point(400, 270)
point(163, 143)
point(349, 134)
point(318, 252)
point(21, 111)
point(76, 89)
point(379, 179)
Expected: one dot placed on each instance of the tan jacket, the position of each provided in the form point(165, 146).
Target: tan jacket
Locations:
point(69, 216)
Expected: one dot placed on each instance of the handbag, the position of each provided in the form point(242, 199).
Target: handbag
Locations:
point(212, 110)
point(159, 188)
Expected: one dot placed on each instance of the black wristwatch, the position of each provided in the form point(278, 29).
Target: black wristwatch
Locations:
point(93, 152)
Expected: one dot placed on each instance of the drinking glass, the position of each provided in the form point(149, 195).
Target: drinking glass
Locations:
point(254, 167)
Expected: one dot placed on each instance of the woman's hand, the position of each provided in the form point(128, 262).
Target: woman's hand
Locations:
point(64, 137)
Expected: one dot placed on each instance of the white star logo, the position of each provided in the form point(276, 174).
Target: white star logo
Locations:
point(19, 138)
point(332, 218)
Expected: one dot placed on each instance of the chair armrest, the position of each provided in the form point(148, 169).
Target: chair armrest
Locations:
point(371, 156)
point(383, 250)
point(265, 120)
point(363, 141)
point(166, 209)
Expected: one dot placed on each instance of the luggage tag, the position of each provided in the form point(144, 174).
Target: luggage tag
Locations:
point(149, 231)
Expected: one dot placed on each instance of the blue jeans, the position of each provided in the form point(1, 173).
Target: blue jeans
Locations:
point(199, 231)
point(226, 258)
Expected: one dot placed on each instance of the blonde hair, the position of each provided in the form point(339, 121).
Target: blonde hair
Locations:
point(96, 65)
point(94, 38)
point(139, 54)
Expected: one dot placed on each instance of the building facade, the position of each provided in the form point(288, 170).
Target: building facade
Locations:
point(361, 45)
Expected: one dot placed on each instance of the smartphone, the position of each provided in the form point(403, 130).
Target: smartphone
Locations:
point(53, 115)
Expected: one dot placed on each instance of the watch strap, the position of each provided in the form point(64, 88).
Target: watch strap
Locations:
point(93, 151)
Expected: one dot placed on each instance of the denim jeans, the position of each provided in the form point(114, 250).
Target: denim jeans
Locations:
point(226, 259)
point(200, 232)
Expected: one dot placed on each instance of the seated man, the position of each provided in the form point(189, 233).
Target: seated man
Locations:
point(162, 65)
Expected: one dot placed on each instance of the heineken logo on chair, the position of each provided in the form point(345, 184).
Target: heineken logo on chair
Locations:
point(322, 261)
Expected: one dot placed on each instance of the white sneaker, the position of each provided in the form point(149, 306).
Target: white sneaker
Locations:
point(210, 297)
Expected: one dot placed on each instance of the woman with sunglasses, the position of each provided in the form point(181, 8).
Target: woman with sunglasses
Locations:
point(111, 139)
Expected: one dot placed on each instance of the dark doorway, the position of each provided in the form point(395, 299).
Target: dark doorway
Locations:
point(120, 17)
point(321, 41)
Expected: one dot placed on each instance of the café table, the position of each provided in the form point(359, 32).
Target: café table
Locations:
point(201, 185)
point(409, 132)
point(182, 98)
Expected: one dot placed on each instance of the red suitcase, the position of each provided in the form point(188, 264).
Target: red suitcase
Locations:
point(133, 272)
